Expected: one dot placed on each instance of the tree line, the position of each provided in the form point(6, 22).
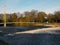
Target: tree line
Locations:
point(32, 16)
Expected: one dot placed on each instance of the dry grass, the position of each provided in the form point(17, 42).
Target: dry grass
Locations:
point(48, 24)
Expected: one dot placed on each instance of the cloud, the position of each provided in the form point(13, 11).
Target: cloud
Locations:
point(52, 10)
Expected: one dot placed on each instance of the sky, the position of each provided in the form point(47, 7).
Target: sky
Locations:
point(48, 6)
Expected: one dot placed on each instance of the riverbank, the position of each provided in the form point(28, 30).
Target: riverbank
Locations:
point(48, 24)
point(53, 24)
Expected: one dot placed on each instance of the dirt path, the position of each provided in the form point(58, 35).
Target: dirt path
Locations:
point(39, 30)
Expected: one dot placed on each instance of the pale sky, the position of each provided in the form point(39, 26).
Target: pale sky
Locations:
point(48, 6)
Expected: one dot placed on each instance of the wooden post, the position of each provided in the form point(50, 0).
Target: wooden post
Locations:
point(4, 17)
point(4, 20)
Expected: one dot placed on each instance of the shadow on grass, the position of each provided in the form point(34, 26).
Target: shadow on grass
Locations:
point(3, 42)
point(34, 39)
point(20, 29)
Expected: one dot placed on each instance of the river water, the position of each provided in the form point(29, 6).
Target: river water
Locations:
point(30, 39)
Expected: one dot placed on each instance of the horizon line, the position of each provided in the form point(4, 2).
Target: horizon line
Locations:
point(28, 11)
